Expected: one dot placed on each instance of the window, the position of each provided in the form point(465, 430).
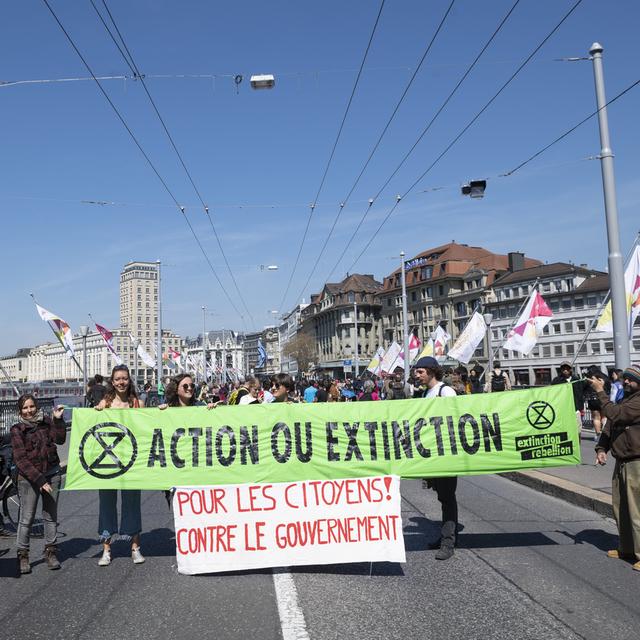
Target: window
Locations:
point(558, 285)
point(546, 287)
point(581, 326)
point(389, 301)
point(578, 303)
point(426, 273)
point(592, 301)
point(413, 296)
point(546, 351)
point(545, 330)
point(440, 290)
point(351, 297)
point(608, 346)
point(568, 327)
point(507, 293)
point(554, 305)
point(570, 349)
point(429, 292)
point(557, 350)
point(569, 282)
point(566, 304)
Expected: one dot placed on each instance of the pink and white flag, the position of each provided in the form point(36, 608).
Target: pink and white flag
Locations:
point(60, 328)
point(107, 336)
point(528, 328)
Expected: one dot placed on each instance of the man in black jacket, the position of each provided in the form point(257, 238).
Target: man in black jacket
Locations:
point(621, 436)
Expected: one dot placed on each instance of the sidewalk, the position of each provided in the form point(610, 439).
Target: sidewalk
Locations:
point(586, 485)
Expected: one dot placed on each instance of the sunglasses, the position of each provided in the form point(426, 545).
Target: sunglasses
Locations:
point(186, 387)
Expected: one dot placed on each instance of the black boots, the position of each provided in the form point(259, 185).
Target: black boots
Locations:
point(23, 561)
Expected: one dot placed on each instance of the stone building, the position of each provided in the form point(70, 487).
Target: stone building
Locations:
point(444, 286)
point(574, 295)
point(330, 318)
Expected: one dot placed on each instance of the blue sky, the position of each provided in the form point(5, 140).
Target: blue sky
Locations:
point(258, 157)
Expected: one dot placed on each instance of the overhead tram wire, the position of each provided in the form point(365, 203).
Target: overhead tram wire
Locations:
point(569, 131)
point(141, 149)
point(136, 71)
point(422, 134)
point(377, 144)
point(464, 130)
point(333, 150)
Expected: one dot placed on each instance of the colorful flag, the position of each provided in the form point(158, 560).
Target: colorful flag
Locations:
point(175, 357)
point(414, 350)
point(436, 344)
point(60, 328)
point(469, 339)
point(528, 328)
point(107, 336)
point(374, 365)
point(391, 359)
point(262, 355)
point(632, 290)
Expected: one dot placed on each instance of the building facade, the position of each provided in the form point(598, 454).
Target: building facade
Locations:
point(288, 330)
point(575, 295)
point(269, 337)
point(330, 319)
point(444, 285)
point(224, 353)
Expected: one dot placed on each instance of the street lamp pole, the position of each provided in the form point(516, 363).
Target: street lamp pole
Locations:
point(616, 263)
point(84, 332)
point(224, 357)
point(405, 318)
point(204, 348)
point(159, 337)
point(355, 322)
point(136, 344)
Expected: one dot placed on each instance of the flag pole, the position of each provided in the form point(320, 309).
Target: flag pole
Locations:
point(596, 317)
point(536, 284)
point(10, 381)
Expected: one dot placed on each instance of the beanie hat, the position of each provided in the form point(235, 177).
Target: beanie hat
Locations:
point(427, 362)
point(632, 373)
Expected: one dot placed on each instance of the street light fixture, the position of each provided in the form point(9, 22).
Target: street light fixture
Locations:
point(263, 81)
point(474, 188)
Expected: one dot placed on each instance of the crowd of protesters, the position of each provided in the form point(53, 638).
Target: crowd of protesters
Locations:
point(37, 474)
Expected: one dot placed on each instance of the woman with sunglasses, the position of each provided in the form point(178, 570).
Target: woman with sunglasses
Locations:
point(181, 392)
point(120, 394)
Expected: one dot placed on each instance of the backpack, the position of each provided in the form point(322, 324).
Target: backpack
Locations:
point(234, 398)
point(459, 392)
point(498, 382)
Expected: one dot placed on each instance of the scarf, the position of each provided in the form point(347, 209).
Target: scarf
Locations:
point(35, 420)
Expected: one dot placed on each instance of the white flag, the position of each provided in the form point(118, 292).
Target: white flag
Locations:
point(528, 328)
point(469, 339)
point(632, 291)
point(142, 354)
point(60, 328)
point(391, 359)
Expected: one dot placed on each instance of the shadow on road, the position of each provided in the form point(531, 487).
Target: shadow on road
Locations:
point(597, 537)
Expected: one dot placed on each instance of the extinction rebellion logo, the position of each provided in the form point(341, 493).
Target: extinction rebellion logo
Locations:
point(108, 450)
point(541, 415)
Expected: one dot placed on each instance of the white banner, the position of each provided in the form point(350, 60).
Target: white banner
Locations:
point(252, 526)
point(469, 339)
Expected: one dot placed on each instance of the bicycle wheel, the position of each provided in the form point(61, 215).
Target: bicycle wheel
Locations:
point(11, 505)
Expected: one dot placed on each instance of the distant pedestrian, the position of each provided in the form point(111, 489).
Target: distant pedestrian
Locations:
point(617, 389)
point(368, 391)
point(397, 390)
point(566, 376)
point(429, 373)
point(121, 394)
point(497, 380)
point(96, 391)
point(474, 381)
point(144, 395)
point(621, 436)
point(284, 389)
point(310, 392)
point(34, 440)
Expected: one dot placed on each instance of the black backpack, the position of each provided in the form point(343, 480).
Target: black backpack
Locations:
point(498, 382)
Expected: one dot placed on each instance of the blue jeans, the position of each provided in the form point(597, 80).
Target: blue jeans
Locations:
point(130, 516)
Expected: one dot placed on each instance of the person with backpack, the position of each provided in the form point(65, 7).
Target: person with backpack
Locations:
point(34, 441)
point(428, 374)
point(497, 380)
point(397, 389)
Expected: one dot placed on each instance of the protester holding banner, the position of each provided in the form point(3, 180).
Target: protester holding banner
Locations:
point(621, 436)
point(181, 392)
point(428, 372)
point(34, 441)
point(121, 394)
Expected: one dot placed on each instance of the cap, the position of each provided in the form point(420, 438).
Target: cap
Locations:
point(632, 373)
point(426, 362)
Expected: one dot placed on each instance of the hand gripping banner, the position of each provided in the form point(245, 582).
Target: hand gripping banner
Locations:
point(465, 435)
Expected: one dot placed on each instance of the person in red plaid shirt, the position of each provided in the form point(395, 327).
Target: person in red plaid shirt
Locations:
point(34, 441)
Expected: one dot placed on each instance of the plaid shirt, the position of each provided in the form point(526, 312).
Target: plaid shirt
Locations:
point(34, 448)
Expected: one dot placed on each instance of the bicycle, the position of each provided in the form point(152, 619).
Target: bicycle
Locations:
point(11, 507)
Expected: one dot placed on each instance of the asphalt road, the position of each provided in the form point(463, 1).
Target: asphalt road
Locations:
point(528, 566)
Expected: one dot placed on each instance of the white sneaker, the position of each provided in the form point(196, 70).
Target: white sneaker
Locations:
point(105, 560)
point(136, 556)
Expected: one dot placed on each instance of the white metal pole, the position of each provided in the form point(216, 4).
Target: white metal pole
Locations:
point(405, 319)
point(355, 321)
point(159, 337)
point(616, 266)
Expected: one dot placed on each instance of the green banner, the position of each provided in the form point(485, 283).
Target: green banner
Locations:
point(465, 435)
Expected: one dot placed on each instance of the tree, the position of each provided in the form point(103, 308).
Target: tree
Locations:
point(302, 348)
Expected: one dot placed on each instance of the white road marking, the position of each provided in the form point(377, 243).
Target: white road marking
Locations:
point(291, 617)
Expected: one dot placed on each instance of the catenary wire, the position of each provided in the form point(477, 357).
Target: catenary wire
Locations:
point(465, 129)
point(141, 149)
point(135, 69)
point(376, 145)
point(422, 134)
point(569, 131)
point(333, 150)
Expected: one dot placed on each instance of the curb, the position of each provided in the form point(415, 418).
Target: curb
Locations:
point(566, 490)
